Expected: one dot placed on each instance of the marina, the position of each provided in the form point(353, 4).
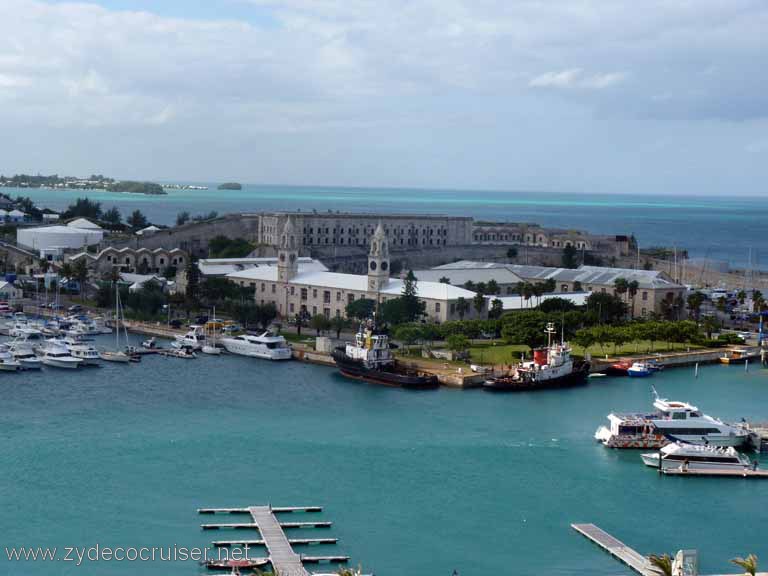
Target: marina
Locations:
point(425, 458)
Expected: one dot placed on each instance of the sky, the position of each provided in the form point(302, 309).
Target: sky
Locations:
point(585, 96)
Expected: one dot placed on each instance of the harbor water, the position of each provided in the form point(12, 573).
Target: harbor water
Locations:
point(415, 482)
point(719, 228)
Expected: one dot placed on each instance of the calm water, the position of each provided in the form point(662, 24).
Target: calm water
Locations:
point(417, 483)
point(719, 228)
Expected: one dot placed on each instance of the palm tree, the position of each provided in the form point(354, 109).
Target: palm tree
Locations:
point(632, 288)
point(749, 564)
point(620, 287)
point(662, 565)
point(462, 307)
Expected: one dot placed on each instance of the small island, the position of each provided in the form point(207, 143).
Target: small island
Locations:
point(231, 186)
point(133, 187)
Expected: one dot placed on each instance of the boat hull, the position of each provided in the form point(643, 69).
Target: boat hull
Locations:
point(65, 364)
point(652, 460)
point(357, 370)
point(577, 377)
point(253, 351)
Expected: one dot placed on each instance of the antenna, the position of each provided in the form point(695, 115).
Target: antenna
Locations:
point(655, 394)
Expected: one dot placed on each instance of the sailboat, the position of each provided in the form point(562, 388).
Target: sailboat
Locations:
point(210, 345)
point(116, 355)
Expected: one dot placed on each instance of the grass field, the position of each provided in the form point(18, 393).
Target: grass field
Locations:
point(500, 353)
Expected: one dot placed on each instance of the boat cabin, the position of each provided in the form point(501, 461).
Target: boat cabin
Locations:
point(673, 410)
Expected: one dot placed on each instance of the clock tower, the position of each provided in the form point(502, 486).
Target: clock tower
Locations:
point(378, 261)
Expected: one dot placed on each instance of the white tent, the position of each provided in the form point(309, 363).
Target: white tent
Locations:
point(84, 224)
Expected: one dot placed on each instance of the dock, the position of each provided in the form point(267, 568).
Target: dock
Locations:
point(718, 473)
point(272, 536)
point(616, 548)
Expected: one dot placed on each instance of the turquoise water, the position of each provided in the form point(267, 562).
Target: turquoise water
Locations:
point(416, 483)
point(714, 227)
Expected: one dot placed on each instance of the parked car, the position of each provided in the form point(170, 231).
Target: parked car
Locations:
point(75, 308)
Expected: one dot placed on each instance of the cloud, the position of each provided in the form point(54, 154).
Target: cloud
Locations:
point(576, 78)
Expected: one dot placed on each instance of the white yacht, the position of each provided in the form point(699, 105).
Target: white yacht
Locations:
point(193, 339)
point(673, 421)
point(265, 346)
point(23, 352)
point(57, 355)
point(25, 329)
point(87, 353)
point(680, 455)
point(7, 362)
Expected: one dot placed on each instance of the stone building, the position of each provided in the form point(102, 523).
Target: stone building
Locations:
point(131, 260)
point(535, 235)
point(293, 287)
point(321, 229)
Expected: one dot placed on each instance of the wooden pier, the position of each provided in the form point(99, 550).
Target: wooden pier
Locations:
point(282, 557)
point(616, 548)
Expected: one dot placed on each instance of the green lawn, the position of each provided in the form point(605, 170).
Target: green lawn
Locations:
point(500, 353)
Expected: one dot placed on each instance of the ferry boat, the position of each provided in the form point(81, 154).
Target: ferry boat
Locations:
point(680, 455)
point(370, 358)
point(266, 345)
point(551, 367)
point(738, 355)
point(673, 421)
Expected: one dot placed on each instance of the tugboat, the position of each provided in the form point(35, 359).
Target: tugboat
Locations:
point(370, 358)
point(552, 367)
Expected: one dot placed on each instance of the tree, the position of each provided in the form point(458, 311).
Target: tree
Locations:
point(182, 218)
point(722, 304)
point(408, 334)
point(758, 302)
point(608, 308)
point(621, 287)
point(43, 264)
point(413, 308)
point(632, 289)
point(662, 565)
point(136, 220)
point(549, 285)
point(710, 324)
point(83, 208)
point(457, 342)
point(570, 257)
point(551, 305)
point(193, 280)
point(524, 327)
point(511, 253)
point(741, 296)
point(224, 247)
point(80, 273)
point(301, 320)
point(695, 300)
point(338, 324)
point(265, 314)
point(497, 309)
point(479, 303)
point(113, 216)
point(216, 290)
point(320, 323)
point(67, 270)
point(361, 309)
point(492, 288)
point(748, 564)
point(444, 280)
point(462, 307)
point(469, 285)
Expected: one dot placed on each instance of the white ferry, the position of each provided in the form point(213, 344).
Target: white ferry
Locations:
point(265, 346)
point(673, 421)
point(679, 455)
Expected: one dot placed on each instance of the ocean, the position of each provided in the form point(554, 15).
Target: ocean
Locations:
point(718, 228)
point(414, 482)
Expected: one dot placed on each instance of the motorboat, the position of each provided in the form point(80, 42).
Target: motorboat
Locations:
point(87, 353)
point(25, 329)
point(739, 355)
point(23, 352)
point(194, 338)
point(115, 356)
point(639, 370)
point(551, 367)
point(183, 352)
point(684, 456)
point(7, 362)
point(150, 343)
point(57, 355)
point(212, 350)
point(672, 421)
point(619, 368)
point(265, 345)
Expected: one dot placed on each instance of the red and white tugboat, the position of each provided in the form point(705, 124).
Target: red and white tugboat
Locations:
point(552, 367)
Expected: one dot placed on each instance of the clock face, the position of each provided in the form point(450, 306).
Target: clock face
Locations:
point(282, 257)
point(373, 265)
point(384, 266)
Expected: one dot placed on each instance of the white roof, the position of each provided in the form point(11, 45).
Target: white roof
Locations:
point(3, 212)
point(152, 228)
point(83, 223)
point(58, 229)
point(225, 266)
point(355, 282)
point(460, 276)
point(4, 285)
point(519, 303)
point(17, 213)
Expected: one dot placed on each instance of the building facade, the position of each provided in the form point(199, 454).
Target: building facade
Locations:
point(294, 289)
point(130, 260)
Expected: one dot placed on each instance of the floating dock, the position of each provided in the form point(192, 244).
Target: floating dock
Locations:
point(282, 557)
point(616, 548)
point(718, 473)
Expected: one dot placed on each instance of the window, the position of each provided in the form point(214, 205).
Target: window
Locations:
point(314, 292)
point(645, 296)
point(327, 312)
point(290, 307)
point(314, 310)
point(303, 293)
point(326, 296)
point(338, 296)
point(273, 288)
point(644, 312)
point(437, 307)
point(293, 290)
point(350, 298)
point(262, 287)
